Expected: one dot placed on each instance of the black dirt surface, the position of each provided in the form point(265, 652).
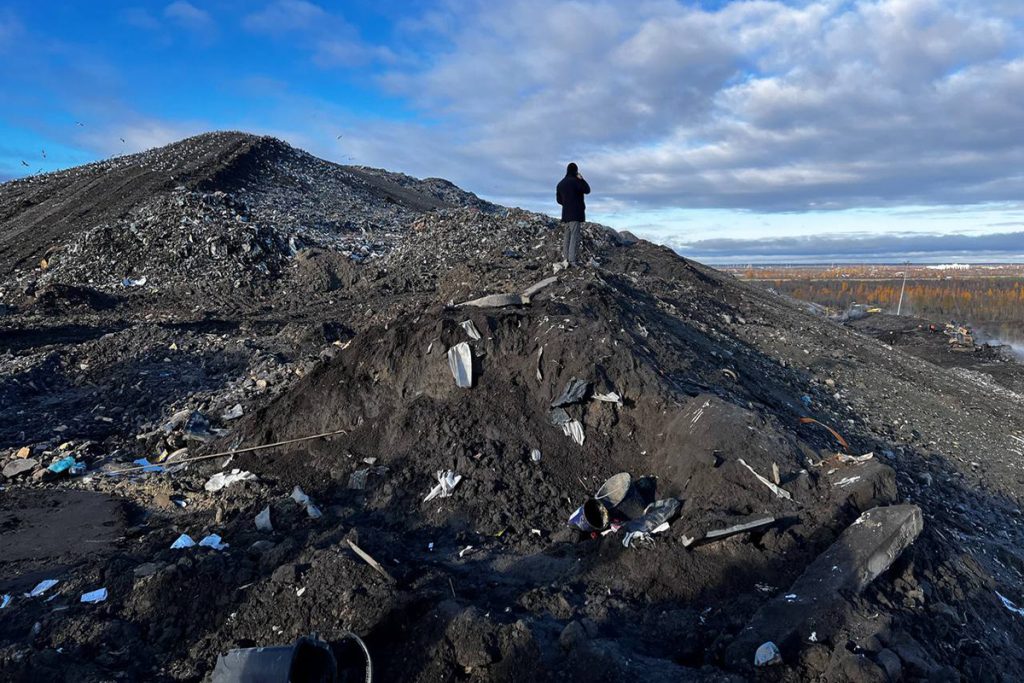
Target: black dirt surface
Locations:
point(324, 299)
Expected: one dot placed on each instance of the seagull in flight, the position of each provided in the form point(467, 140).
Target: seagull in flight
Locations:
point(338, 138)
point(122, 139)
point(44, 153)
point(79, 123)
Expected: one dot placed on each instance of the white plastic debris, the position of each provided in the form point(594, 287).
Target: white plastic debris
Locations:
point(446, 483)
point(780, 492)
point(42, 587)
point(498, 301)
point(460, 361)
point(843, 457)
point(1008, 604)
point(263, 520)
point(134, 282)
point(98, 595)
point(300, 591)
point(232, 413)
point(643, 538)
point(222, 479)
point(767, 655)
point(470, 329)
point(574, 429)
point(4, 600)
point(535, 455)
point(183, 541)
point(610, 397)
point(300, 497)
point(213, 541)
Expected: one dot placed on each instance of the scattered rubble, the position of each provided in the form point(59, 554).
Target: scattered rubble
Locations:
point(286, 297)
point(866, 549)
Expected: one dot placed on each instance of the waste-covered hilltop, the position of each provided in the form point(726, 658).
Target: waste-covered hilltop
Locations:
point(216, 215)
point(493, 468)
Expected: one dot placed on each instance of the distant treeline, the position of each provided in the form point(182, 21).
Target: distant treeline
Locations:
point(994, 304)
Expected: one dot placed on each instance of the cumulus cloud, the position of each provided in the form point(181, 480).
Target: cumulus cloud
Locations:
point(331, 40)
point(139, 17)
point(765, 105)
point(284, 16)
point(861, 246)
point(190, 17)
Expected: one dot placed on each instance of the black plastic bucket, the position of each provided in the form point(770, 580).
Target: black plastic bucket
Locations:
point(308, 660)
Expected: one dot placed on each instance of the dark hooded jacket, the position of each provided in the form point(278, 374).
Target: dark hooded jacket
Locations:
point(569, 194)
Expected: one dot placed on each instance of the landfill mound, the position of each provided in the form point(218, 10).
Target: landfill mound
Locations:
point(214, 216)
point(485, 465)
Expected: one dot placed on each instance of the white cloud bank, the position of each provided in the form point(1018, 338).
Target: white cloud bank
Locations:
point(759, 105)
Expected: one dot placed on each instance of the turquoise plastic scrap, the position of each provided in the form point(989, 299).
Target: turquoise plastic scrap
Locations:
point(61, 465)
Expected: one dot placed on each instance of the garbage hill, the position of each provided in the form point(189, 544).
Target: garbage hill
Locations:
point(204, 216)
point(490, 467)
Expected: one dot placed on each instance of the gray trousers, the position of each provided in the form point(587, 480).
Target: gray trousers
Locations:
point(571, 242)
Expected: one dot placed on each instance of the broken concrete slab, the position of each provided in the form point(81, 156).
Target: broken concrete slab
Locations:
point(865, 485)
point(812, 605)
point(498, 301)
point(19, 466)
point(533, 289)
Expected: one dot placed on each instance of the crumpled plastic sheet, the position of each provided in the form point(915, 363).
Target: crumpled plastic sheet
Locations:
point(98, 595)
point(655, 520)
point(263, 522)
point(447, 480)
point(300, 497)
point(573, 392)
point(183, 541)
point(42, 587)
point(222, 479)
point(213, 541)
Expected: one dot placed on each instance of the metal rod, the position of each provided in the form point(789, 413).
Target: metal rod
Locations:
point(899, 307)
point(233, 452)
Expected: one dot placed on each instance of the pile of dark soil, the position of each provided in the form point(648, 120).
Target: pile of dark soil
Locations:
point(696, 384)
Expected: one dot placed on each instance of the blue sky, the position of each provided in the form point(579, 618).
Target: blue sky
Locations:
point(761, 130)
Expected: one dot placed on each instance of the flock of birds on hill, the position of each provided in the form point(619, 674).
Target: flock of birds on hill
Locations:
point(123, 142)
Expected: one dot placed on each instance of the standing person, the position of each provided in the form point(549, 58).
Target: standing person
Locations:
point(569, 194)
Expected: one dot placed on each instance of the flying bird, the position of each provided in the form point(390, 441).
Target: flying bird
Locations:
point(24, 163)
point(80, 123)
point(338, 138)
point(44, 153)
point(122, 139)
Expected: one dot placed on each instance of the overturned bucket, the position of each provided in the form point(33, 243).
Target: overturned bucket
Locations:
point(308, 660)
point(614, 489)
point(591, 516)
